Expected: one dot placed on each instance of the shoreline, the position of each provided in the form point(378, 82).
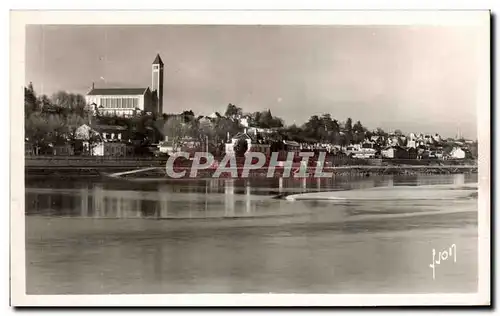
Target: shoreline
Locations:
point(152, 171)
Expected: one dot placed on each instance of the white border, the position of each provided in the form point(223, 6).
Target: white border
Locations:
point(18, 21)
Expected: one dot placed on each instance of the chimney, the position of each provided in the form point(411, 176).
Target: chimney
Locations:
point(92, 86)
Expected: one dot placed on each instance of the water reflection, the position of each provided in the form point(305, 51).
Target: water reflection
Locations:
point(265, 245)
point(193, 199)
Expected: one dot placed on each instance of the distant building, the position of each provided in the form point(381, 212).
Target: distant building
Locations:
point(253, 144)
point(457, 153)
point(437, 138)
point(388, 152)
point(167, 146)
point(244, 121)
point(129, 101)
point(411, 144)
point(103, 140)
point(259, 130)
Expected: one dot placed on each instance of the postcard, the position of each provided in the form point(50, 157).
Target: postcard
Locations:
point(250, 158)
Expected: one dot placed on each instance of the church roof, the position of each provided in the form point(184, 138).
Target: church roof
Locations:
point(158, 60)
point(118, 91)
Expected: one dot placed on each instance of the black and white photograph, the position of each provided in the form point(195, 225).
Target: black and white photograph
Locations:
point(248, 157)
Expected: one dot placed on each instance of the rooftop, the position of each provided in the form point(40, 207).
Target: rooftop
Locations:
point(158, 60)
point(118, 91)
point(102, 127)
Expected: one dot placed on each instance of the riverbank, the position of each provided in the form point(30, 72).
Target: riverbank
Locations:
point(120, 172)
point(149, 167)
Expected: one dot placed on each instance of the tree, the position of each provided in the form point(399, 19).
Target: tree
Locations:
point(69, 103)
point(44, 103)
point(43, 129)
point(312, 127)
point(30, 100)
point(225, 128)
point(359, 132)
point(277, 122)
point(348, 132)
point(233, 112)
point(294, 133)
point(330, 129)
point(240, 147)
point(173, 128)
point(265, 119)
point(72, 122)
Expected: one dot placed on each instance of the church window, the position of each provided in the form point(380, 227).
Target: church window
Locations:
point(155, 67)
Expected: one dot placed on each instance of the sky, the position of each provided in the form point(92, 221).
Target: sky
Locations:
point(412, 78)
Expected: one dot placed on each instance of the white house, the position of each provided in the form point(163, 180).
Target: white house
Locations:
point(244, 121)
point(103, 140)
point(457, 153)
point(388, 152)
point(411, 144)
point(167, 146)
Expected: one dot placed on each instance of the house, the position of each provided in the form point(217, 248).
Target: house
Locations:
point(63, 150)
point(388, 152)
point(288, 147)
point(395, 152)
point(259, 130)
point(375, 138)
point(457, 153)
point(103, 140)
point(244, 121)
point(254, 144)
point(205, 120)
point(368, 144)
point(167, 146)
point(128, 101)
point(428, 139)
point(411, 144)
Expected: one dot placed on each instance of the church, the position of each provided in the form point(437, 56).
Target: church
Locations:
point(130, 101)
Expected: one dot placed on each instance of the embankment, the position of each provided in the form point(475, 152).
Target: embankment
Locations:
point(97, 166)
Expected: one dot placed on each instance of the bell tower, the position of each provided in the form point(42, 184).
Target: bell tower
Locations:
point(157, 82)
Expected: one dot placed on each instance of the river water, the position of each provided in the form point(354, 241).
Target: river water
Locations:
point(91, 236)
